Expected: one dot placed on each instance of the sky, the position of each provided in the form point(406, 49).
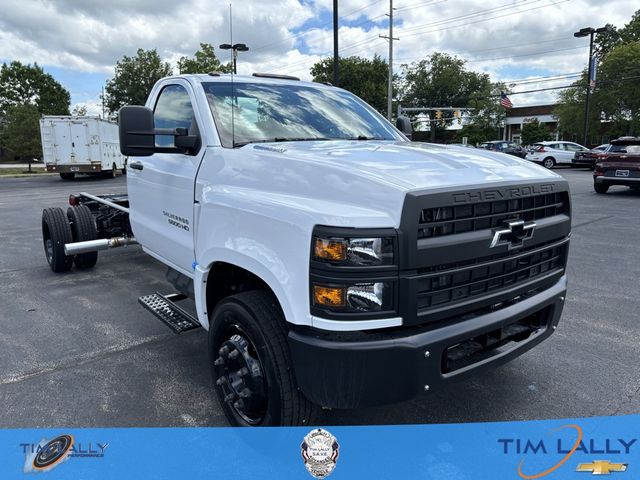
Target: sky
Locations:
point(515, 41)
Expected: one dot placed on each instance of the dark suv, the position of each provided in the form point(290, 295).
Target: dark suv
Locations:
point(590, 158)
point(620, 166)
point(505, 147)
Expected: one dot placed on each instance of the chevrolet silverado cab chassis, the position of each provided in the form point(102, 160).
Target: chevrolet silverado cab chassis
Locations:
point(333, 262)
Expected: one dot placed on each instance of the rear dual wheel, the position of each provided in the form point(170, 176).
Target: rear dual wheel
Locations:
point(112, 173)
point(58, 229)
point(56, 232)
point(83, 228)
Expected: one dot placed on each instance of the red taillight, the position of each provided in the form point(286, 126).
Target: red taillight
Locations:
point(598, 173)
point(73, 200)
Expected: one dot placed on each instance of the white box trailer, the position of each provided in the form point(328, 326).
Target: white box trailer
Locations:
point(81, 144)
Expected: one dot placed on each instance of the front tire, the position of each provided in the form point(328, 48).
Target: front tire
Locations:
point(56, 232)
point(83, 228)
point(549, 163)
point(600, 187)
point(251, 363)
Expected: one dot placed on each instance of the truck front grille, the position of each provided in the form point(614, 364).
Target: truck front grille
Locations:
point(450, 220)
point(460, 281)
point(454, 268)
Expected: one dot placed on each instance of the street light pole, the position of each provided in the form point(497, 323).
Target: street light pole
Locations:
point(590, 32)
point(336, 58)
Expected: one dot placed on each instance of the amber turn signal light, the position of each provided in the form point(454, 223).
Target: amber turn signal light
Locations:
point(329, 296)
point(326, 249)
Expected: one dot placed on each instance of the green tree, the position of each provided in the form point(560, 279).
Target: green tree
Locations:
point(442, 80)
point(79, 110)
point(20, 132)
point(569, 108)
point(134, 78)
point(618, 98)
point(203, 61)
point(535, 131)
point(29, 85)
point(361, 76)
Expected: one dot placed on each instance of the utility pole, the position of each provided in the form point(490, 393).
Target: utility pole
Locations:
point(335, 43)
point(102, 98)
point(390, 81)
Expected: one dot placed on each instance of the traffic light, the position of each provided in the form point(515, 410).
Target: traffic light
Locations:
point(439, 117)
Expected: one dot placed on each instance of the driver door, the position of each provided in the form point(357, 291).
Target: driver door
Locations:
point(161, 186)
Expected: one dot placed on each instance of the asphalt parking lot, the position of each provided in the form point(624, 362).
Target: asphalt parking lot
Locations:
point(77, 350)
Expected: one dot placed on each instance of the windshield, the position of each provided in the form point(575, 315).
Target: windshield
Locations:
point(272, 113)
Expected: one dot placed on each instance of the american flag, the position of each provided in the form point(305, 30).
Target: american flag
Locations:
point(504, 101)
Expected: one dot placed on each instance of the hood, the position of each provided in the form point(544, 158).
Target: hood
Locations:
point(349, 183)
point(409, 165)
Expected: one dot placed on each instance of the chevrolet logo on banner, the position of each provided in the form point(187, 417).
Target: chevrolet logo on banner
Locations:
point(601, 467)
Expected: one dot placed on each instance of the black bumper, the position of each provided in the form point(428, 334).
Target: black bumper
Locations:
point(393, 367)
point(77, 168)
point(625, 181)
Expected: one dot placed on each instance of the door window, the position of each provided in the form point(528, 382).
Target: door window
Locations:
point(173, 110)
point(573, 147)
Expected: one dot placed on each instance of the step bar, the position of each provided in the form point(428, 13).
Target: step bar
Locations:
point(164, 308)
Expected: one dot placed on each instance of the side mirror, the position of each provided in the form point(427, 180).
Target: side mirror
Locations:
point(138, 134)
point(137, 138)
point(404, 125)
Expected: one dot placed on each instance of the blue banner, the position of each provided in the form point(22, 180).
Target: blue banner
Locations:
point(567, 449)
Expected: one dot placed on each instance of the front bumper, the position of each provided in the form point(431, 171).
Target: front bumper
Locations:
point(382, 368)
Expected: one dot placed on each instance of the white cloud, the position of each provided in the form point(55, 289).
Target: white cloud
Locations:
point(509, 39)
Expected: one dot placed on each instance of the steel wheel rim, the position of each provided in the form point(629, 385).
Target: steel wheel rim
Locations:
point(240, 376)
point(48, 246)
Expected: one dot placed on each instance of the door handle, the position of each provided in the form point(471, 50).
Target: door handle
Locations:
point(136, 165)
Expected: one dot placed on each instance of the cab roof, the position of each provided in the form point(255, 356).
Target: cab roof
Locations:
point(261, 78)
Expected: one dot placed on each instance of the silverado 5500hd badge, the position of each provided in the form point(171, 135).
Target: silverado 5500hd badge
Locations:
point(176, 220)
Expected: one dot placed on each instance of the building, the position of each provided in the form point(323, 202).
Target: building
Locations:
point(517, 117)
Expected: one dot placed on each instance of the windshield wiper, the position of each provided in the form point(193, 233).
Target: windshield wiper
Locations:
point(364, 137)
point(280, 139)
point(298, 139)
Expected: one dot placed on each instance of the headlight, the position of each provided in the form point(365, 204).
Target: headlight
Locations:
point(354, 251)
point(358, 297)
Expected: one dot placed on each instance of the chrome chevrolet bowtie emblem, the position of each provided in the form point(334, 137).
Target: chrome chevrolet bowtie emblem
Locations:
point(601, 467)
point(513, 234)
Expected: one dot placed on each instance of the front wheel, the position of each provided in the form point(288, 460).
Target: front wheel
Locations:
point(251, 363)
point(549, 163)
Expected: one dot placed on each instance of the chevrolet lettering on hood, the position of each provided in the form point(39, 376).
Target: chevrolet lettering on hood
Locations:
point(503, 194)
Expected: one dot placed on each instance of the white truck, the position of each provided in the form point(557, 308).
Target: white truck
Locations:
point(81, 144)
point(333, 262)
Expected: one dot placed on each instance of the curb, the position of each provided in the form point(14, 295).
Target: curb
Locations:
point(26, 175)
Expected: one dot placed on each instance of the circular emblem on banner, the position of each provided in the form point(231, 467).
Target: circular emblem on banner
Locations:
point(52, 452)
point(320, 452)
